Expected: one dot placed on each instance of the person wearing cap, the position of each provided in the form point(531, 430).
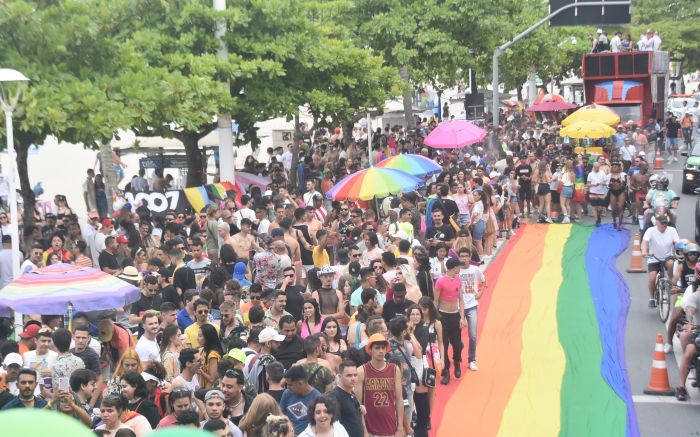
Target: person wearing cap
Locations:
point(11, 365)
point(449, 303)
point(379, 379)
point(107, 260)
point(214, 402)
point(269, 340)
point(27, 338)
point(330, 300)
point(105, 231)
point(658, 243)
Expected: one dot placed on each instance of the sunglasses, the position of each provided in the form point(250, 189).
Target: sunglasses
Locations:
point(203, 312)
point(695, 254)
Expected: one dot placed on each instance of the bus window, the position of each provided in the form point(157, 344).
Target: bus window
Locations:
point(628, 112)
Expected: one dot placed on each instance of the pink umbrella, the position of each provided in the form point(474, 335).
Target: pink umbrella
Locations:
point(551, 106)
point(246, 180)
point(454, 134)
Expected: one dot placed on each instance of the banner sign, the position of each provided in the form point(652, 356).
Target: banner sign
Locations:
point(159, 202)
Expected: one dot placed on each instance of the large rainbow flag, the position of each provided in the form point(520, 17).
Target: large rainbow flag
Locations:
point(551, 342)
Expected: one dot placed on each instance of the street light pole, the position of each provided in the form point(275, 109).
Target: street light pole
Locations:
point(8, 104)
point(501, 49)
point(227, 162)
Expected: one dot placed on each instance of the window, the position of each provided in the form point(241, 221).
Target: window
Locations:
point(628, 112)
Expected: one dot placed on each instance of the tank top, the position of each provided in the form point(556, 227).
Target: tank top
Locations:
point(328, 300)
point(380, 399)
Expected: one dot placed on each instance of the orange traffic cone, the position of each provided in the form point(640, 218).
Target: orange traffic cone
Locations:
point(658, 383)
point(658, 161)
point(636, 264)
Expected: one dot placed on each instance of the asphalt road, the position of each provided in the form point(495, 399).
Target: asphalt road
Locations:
point(658, 416)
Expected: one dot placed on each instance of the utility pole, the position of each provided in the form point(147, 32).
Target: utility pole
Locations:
point(226, 161)
point(501, 49)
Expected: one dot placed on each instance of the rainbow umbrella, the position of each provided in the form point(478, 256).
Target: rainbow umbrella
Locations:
point(245, 180)
point(415, 165)
point(373, 182)
point(49, 290)
point(454, 134)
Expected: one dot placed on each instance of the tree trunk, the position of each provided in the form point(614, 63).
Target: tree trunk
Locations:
point(107, 169)
point(293, 173)
point(347, 132)
point(195, 174)
point(28, 198)
point(519, 90)
point(407, 99)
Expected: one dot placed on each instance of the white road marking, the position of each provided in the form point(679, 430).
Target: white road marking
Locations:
point(650, 399)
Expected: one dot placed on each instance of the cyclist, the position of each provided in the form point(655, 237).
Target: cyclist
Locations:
point(683, 275)
point(659, 242)
point(689, 333)
point(661, 197)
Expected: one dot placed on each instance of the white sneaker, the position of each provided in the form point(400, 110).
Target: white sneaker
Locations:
point(472, 366)
point(675, 159)
point(566, 219)
point(668, 348)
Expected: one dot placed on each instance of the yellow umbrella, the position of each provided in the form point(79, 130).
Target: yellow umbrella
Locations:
point(587, 129)
point(597, 113)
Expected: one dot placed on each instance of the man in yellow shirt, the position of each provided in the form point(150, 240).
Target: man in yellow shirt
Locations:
point(201, 314)
point(319, 253)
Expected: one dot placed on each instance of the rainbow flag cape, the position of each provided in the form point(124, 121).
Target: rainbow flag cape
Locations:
point(551, 341)
point(580, 185)
point(198, 197)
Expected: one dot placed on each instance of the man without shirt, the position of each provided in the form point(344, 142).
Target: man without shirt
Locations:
point(244, 242)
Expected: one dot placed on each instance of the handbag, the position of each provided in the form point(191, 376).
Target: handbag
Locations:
point(414, 374)
point(429, 373)
point(490, 227)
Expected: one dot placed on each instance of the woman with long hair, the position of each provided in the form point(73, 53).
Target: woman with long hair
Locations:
point(568, 181)
point(212, 233)
point(356, 330)
point(424, 276)
point(490, 213)
point(322, 414)
point(405, 276)
point(437, 263)
point(311, 322)
point(140, 258)
point(210, 348)
point(170, 345)
point(62, 208)
point(128, 362)
point(617, 189)
point(478, 223)
point(420, 396)
point(541, 178)
point(335, 342)
point(101, 197)
point(434, 349)
point(373, 251)
point(133, 388)
point(463, 198)
point(256, 422)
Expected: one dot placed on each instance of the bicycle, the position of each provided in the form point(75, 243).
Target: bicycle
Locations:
point(662, 293)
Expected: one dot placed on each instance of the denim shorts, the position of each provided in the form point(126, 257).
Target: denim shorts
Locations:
point(567, 191)
point(478, 230)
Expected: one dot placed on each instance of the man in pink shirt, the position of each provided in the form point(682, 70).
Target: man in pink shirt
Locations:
point(448, 295)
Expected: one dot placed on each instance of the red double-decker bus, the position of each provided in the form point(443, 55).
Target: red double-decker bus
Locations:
point(634, 84)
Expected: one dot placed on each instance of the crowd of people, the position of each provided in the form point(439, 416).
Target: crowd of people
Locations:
point(648, 41)
point(281, 312)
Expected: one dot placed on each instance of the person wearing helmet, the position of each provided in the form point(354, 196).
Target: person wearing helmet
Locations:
point(683, 276)
point(689, 336)
point(658, 246)
point(661, 197)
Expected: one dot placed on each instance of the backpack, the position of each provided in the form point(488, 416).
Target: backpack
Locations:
point(257, 375)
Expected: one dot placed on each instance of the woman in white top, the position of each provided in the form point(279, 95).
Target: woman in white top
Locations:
point(322, 413)
point(478, 222)
point(568, 180)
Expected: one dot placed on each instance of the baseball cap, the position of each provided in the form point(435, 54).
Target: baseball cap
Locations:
point(149, 377)
point(93, 214)
point(106, 222)
point(326, 270)
point(239, 270)
point(122, 239)
point(451, 263)
point(214, 394)
point(401, 235)
point(30, 331)
point(13, 358)
point(377, 338)
point(270, 334)
point(236, 354)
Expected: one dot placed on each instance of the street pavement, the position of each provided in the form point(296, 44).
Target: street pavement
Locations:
point(658, 415)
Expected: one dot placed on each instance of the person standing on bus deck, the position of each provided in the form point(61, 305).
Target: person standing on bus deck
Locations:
point(616, 43)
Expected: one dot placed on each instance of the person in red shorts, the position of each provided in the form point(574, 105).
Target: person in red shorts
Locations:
point(448, 295)
point(378, 388)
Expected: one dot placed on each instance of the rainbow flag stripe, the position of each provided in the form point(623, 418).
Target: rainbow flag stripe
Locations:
point(551, 341)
